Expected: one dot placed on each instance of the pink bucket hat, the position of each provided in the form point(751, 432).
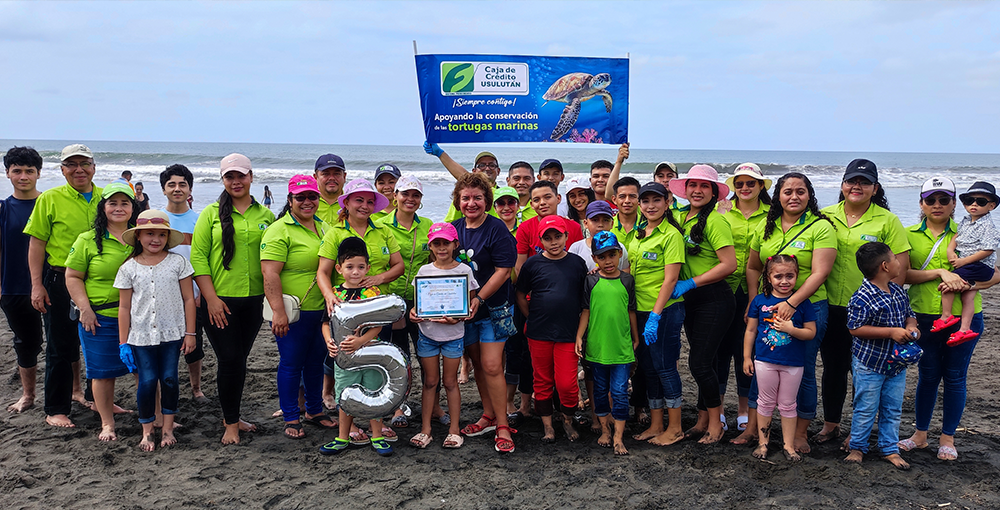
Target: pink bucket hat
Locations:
point(700, 173)
point(299, 183)
point(444, 231)
point(362, 186)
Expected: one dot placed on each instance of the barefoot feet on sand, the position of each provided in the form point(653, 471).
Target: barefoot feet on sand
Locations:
point(23, 404)
point(147, 444)
point(107, 434)
point(59, 420)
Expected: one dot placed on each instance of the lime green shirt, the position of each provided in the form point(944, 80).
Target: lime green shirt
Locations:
point(819, 235)
point(328, 212)
point(627, 238)
point(381, 215)
point(876, 224)
point(648, 257)
point(60, 215)
point(413, 247)
point(525, 212)
point(925, 297)
point(243, 278)
point(743, 229)
point(288, 241)
point(381, 244)
point(99, 269)
point(716, 236)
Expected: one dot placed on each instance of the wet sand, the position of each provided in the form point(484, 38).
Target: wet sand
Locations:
point(51, 467)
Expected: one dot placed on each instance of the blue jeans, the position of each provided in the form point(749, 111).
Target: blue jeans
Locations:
point(157, 364)
point(481, 331)
point(876, 395)
point(659, 359)
point(940, 362)
point(807, 400)
point(301, 354)
point(611, 379)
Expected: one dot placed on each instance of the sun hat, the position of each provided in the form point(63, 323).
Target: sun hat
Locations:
point(330, 161)
point(604, 241)
point(937, 185)
point(505, 191)
point(409, 182)
point(387, 168)
point(653, 187)
point(597, 208)
point(701, 173)
point(77, 149)
point(360, 186)
point(117, 187)
point(671, 166)
point(235, 161)
point(551, 222)
point(299, 183)
point(576, 183)
point(749, 170)
point(981, 187)
point(151, 219)
point(444, 231)
point(861, 168)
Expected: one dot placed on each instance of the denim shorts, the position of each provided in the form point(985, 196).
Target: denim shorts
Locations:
point(481, 331)
point(452, 349)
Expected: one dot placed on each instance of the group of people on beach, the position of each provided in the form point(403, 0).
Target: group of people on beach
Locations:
point(590, 276)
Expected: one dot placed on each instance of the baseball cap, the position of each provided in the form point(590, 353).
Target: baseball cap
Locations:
point(484, 154)
point(330, 161)
point(577, 183)
point(597, 208)
point(444, 231)
point(237, 162)
point(77, 149)
point(981, 187)
point(549, 163)
point(653, 187)
point(505, 191)
point(299, 183)
point(671, 166)
point(387, 168)
point(409, 182)
point(861, 168)
point(604, 241)
point(937, 184)
point(117, 187)
point(551, 222)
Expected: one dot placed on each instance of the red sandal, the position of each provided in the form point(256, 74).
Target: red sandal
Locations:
point(943, 324)
point(475, 429)
point(502, 444)
point(960, 337)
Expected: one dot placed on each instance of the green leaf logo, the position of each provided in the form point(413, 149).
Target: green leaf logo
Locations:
point(457, 77)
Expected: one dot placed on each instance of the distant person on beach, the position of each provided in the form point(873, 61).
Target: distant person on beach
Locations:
point(330, 174)
point(268, 197)
point(225, 254)
point(386, 176)
point(91, 266)
point(880, 319)
point(177, 182)
point(127, 179)
point(23, 166)
point(141, 198)
point(973, 254)
point(156, 320)
point(60, 215)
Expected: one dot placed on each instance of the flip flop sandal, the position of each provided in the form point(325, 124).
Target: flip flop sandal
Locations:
point(399, 421)
point(421, 440)
point(389, 434)
point(445, 419)
point(514, 418)
point(948, 453)
point(320, 418)
point(359, 438)
point(297, 427)
point(475, 429)
point(741, 422)
point(334, 447)
point(943, 324)
point(453, 441)
point(725, 425)
point(909, 445)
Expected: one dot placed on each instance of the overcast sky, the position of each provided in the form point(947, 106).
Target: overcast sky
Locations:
point(872, 76)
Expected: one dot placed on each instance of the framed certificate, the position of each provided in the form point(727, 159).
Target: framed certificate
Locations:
point(442, 296)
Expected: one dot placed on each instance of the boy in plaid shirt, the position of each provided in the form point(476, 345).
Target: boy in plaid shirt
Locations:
point(878, 315)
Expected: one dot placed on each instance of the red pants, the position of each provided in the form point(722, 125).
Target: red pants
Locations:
point(554, 364)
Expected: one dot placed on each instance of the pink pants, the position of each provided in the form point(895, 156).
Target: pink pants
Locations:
point(777, 384)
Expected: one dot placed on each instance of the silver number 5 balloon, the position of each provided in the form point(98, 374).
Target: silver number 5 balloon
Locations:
point(349, 317)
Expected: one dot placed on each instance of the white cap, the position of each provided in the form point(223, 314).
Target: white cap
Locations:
point(77, 149)
point(408, 182)
point(937, 184)
point(576, 183)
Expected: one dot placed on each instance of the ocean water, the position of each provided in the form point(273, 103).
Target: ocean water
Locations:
point(900, 173)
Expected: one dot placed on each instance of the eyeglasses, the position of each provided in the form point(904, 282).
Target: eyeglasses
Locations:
point(154, 221)
point(306, 196)
point(72, 165)
point(487, 166)
point(740, 184)
point(506, 202)
point(939, 200)
point(858, 181)
point(980, 201)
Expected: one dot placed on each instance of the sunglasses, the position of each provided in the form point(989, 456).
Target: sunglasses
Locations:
point(154, 221)
point(506, 202)
point(980, 201)
point(306, 196)
point(939, 200)
point(748, 184)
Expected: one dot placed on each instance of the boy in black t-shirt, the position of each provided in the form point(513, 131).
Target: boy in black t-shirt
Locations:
point(555, 282)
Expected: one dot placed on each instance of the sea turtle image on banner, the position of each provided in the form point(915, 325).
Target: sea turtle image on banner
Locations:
point(573, 89)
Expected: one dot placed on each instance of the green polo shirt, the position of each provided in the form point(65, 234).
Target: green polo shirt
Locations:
point(627, 238)
point(381, 215)
point(524, 212)
point(925, 297)
point(100, 268)
point(743, 229)
point(876, 224)
point(413, 247)
point(328, 212)
point(648, 257)
point(716, 236)
point(243, 278)
point(60, 215)
point(819, 235)
point(381, 244)
point(286, 240)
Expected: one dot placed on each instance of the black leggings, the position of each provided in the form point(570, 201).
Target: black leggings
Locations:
point(836, 354)
point(708, 313)
point(26, 324)
point(62, 347)
point(732, 349)
point(232, 347)
point(518, 370)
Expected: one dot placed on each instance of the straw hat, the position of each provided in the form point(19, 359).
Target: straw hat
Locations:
point(152, 219)
point(749, 170)
point(701, 173)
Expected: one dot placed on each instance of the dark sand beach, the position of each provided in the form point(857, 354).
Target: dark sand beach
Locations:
point(47, 467)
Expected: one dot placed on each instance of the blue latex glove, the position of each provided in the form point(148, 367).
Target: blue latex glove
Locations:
point(652, 324)
point(433, 149)
point(125, 353)
point(682, 287)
